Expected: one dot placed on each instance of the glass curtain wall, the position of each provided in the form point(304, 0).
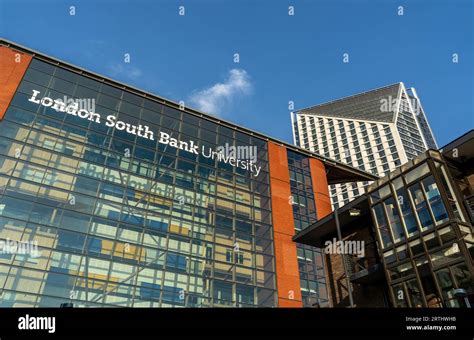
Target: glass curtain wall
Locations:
point(310, 259)
point(424, 237)
point(121, 220)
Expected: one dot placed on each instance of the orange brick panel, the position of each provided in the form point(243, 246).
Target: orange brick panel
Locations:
point(282, 212)
point(286, 261)
point(323, 205)
point(320, 187)
point(278, 160)
point(288, 278)
point(13, 65)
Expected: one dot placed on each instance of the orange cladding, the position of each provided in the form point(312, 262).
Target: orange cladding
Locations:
point(13, 65)
point(288, 278)
point(320, 188)
point(321, 196)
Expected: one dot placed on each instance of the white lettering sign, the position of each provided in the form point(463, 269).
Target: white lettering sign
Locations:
point(224, 154)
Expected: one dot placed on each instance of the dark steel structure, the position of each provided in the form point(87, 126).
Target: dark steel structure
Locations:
point(421, 219)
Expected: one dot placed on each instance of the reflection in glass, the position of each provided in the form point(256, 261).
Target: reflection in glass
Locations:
point(414, 294)
point(446, 284)
point(407, 212)
point(429, 287)
point(382, 226)
point(449, 190)
point(420, 206)
point(399, 294)
point(64, 164)
point(434, 199)
point(394, 220)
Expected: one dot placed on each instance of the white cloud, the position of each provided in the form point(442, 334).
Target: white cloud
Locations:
point(216, 98)
point(128, 71)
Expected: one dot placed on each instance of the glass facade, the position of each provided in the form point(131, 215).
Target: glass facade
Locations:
point(310, 259)
point(122, 220)
point(426, 242)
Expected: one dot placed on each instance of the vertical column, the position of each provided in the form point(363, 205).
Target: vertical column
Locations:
point(288, 278)
point(320, 188)
point(322, 201)
point(13, 65)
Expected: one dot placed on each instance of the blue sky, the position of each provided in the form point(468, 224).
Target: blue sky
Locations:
point(282, 58)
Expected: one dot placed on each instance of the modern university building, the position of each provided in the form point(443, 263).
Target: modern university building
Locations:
point(111, 196)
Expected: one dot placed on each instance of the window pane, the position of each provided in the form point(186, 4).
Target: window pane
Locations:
point(434, 199)
point(394, 219)
point(420, 206)
point(414, 294)
point(463, 278)
point(407, 212)
point(430, 290)
point(416, 173)
point(382, 226)
point(449, 190)
point(446, 255)
point(399, 294)
point(446, 284)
